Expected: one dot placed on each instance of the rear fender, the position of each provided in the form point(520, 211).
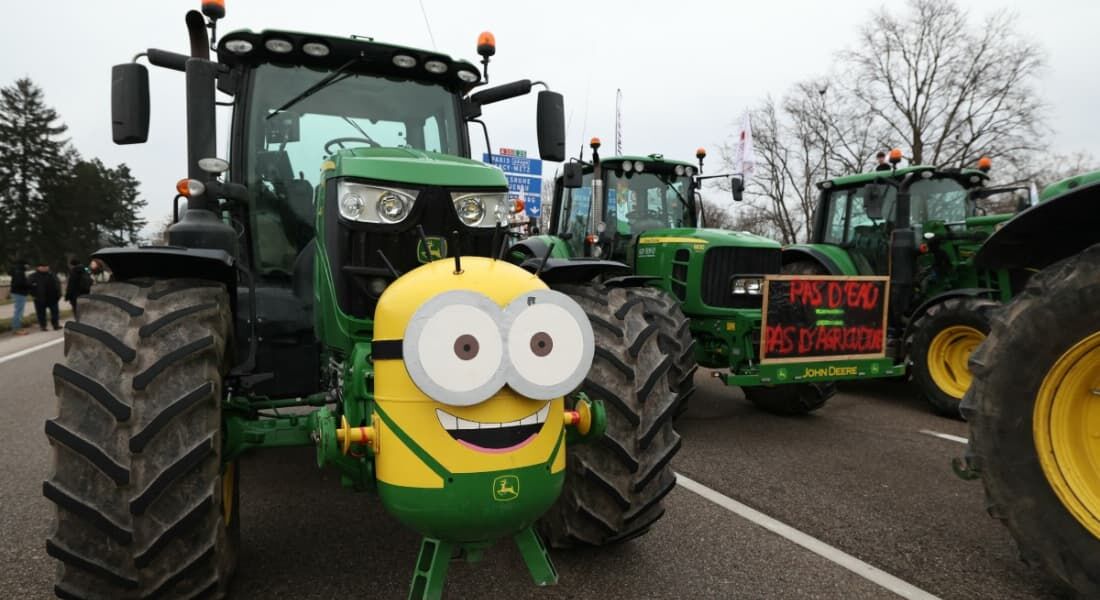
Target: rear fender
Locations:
point(938, 298)
point(833, 259)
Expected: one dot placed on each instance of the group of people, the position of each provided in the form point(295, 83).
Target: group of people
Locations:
point(44, 287)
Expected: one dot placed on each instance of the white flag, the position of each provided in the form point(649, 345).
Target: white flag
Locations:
point(746, 157)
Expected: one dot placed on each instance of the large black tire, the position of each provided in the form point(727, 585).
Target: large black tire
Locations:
point(1056, 311)
point(137, 474)
point(614, 486)
point(675, 340)
point(796, 398)
point(942, 340)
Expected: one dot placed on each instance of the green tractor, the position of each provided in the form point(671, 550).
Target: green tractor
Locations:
point(921, 227)
point(1034, 405)
point(635, 222)
point(336, 286)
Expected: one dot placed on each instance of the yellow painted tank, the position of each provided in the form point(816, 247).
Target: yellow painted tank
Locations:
point(470, 371)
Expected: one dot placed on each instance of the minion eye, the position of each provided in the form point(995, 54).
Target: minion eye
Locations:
point(550, 344)
point(454, 350)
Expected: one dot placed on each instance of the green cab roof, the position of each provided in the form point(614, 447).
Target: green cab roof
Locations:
point(652, 158)
point(1070, 183)
point(374, 57)
point(861, 178)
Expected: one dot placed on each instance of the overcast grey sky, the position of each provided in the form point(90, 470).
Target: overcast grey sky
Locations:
point(687, 69)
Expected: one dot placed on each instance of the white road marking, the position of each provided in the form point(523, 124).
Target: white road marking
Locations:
point(839, 557)
point(27, 351)
point(945, 436)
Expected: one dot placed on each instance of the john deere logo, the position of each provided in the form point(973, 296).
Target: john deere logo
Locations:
point(505, 488)
point(782, 374)
point(435, 249)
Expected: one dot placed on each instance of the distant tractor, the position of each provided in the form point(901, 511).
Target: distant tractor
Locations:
point(1034, 404)
point(336, 285)
point(920, 226)
point(636, 221)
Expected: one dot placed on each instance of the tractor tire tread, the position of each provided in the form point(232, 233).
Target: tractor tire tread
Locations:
point(1056, 309)
point(154, 416)
point(615, 485)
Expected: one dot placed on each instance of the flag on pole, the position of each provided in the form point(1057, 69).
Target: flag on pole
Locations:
point(618, 122)
point(745, 157)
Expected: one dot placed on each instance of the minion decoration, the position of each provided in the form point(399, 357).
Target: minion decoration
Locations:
point(472, 361)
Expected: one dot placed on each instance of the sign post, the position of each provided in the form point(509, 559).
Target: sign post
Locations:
point(524, 177)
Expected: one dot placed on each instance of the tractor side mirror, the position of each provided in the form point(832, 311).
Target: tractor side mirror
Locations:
point(873, 196)
point(129, 103)
point(551, 126)
point(737, 188)
point(572, 175)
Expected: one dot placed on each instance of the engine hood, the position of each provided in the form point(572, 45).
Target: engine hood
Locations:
point(415, 167)
point(709, 237)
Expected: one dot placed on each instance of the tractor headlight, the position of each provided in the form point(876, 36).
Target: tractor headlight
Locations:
point(480, 209)
point(679, 170)
point(392, 207)
point(370, 204)
point(748, 285)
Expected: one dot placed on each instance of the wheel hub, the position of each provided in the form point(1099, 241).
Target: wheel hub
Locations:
point(1067, 430)
point(948, 355)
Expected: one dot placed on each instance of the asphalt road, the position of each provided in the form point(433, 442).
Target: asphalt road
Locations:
point(858, 476)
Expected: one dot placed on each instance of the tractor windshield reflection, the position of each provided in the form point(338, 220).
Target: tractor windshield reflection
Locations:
point(285, 150)
point(637, 202)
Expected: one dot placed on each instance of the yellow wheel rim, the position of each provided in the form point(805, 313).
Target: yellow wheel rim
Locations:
point(947, 356)
point(229, 483)
point(1067, 430)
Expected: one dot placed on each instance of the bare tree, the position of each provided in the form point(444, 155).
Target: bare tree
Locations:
point(945, 89)
point(925, 80)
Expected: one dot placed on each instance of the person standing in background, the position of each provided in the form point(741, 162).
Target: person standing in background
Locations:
point(79, 284)
point(46, 289)
point(18, 292)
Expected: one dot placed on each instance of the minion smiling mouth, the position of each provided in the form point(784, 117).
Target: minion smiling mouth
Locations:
point(492, 437)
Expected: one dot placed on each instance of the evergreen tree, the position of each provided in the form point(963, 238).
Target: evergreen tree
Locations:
point(55, 205)
point(33, 157)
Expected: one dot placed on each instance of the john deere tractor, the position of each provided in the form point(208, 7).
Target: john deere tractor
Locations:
point(335, 285)
point(1034, 404)
point(920, 226)
point(638, 220)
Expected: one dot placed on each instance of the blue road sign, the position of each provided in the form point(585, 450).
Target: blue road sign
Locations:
point(533, 206)
point(518, 184)
point(514, 165)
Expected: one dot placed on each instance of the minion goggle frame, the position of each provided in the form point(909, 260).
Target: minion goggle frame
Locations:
point(460, 348)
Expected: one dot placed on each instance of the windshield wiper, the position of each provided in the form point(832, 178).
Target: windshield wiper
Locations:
point(338, 75)
point(666, 181)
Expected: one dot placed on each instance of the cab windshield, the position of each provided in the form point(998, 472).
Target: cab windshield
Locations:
point(285, 149)
point(634, 202)
point(938, 200)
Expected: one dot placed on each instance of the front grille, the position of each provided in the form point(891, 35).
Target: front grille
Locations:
point(358, 260)
point(720, 265)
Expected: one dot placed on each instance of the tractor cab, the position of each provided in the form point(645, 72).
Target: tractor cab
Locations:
point(639, 194)
point(857, 215)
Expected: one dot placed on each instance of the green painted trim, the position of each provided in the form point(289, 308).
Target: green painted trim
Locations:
point(862, 178)
point(1068, 185)
point(557, 447)
point(469, 507)
point(420, 453)
point(802, 372)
